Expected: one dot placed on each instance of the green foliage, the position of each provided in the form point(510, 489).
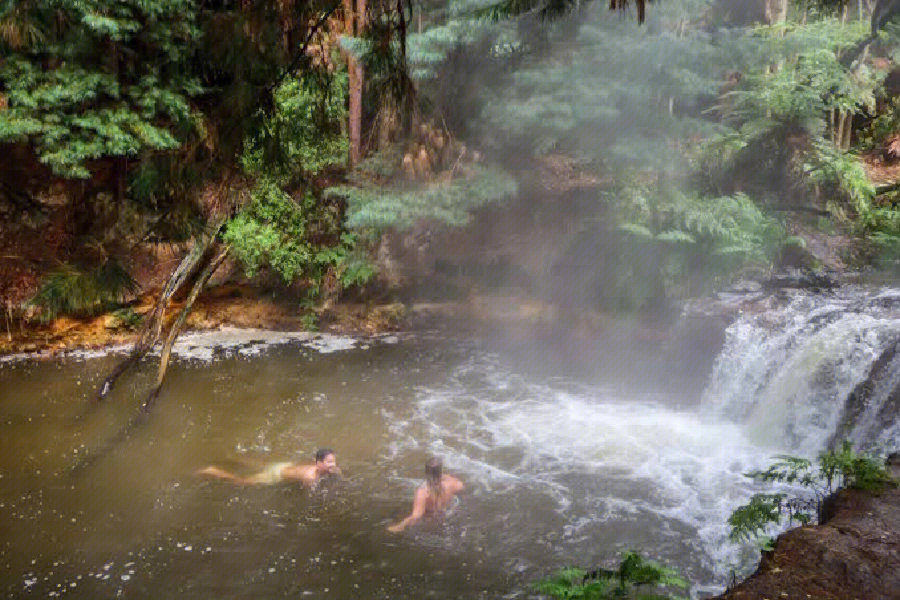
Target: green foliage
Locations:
point(884, 124)
point(310, 321)
point(97, 79)
point(630, 580)
point(691, 241)
point(842, 174)
point(127, 318)
point(276, 231)
point(845, 468)
point(752, 520)
point(72, 291)
point(352, 266)
point(303, 134)
point(834, 469)
point(620, 95)
point(450, 202)
point(725, 226)
point(272, 231)
point(786, 115)
point(786, 108)
point(808, 82)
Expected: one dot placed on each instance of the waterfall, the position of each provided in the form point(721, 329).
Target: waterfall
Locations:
point(816, 369)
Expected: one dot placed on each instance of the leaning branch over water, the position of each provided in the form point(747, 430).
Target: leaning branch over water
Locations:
point(152, 327)
point(201, 282)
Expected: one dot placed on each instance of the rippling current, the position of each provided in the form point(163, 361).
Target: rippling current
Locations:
point(559, 471)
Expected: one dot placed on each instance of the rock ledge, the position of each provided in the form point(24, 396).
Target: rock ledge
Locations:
point(853, 555)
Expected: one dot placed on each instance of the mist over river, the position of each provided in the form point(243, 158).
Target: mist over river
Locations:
point(560, 466)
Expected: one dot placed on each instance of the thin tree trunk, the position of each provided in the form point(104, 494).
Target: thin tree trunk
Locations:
point(848, 130)
point(86, 459)
point(354, 117)
point(402, 32)
point(361, 24)
point(838, 134)
point(152, 327)
point(166, 353)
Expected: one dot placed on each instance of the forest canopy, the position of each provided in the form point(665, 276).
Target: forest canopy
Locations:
point(313, 127)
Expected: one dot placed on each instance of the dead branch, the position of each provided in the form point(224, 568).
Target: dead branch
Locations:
point(153, 322)
point(179, 323)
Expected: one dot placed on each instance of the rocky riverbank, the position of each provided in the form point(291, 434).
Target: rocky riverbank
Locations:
point(853, 555)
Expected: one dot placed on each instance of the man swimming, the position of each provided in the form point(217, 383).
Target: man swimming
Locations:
point(325, 464)
point(431, 497)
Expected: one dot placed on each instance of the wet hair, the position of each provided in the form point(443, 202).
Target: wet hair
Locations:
point(322, 454)
point(433, 471)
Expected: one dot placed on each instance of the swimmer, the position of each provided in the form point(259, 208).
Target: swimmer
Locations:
point(433, 496)
point(283, 471)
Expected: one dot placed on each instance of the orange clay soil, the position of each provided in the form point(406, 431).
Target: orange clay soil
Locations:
point(232, 305)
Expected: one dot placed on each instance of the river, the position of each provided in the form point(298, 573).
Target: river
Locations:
point(560, 467)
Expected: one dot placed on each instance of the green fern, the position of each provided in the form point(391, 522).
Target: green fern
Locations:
point(834, 469)
point(630, 580)
point(71, 291)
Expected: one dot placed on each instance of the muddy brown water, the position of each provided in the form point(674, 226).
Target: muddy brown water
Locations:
point(559, 471)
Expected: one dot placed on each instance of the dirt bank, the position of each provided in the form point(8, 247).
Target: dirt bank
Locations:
point(853, 555)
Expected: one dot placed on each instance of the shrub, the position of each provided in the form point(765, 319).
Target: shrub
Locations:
point(72, 291)
point(835, 469)
point(629, 580)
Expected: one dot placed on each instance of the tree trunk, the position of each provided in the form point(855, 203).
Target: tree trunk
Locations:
point(352, 27)
point(848, 130)
point(201, 282)
point(86, 459)
point(776, 11)
point(839, 134)
point(153, 322)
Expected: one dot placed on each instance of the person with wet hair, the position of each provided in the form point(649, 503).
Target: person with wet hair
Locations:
point(433, 496)
point(325, 464)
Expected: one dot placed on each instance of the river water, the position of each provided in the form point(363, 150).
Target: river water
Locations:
point(559, 470)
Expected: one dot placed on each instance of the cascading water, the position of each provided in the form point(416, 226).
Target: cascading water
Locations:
point(819, 368)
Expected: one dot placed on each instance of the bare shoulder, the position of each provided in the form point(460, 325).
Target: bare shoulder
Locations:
point(453, 483)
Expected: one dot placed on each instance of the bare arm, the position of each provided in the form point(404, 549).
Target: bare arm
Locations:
point(418, 511)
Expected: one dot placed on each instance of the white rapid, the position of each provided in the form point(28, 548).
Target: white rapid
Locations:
point(618, 470)
point(821, 367)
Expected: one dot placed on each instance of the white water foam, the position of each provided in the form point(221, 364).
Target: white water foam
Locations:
point(504, 433)
point(786, 374)
point(237, 341)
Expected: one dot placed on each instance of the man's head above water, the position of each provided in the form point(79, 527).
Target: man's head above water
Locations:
point(325, 461)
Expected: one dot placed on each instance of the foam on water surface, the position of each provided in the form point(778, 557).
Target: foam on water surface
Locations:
point(598, 456)
point(240, 341)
